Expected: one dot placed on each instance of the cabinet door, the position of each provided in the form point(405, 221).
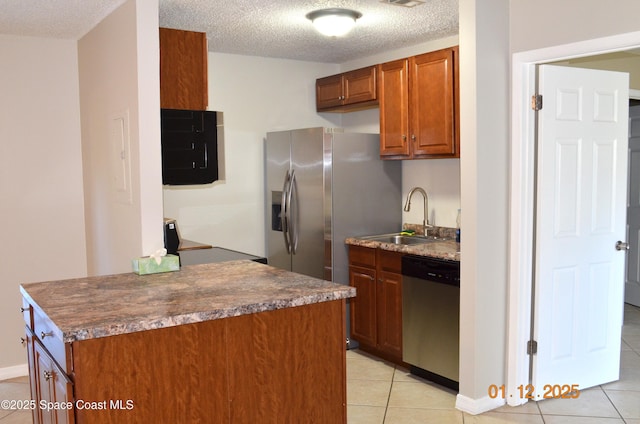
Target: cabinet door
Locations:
point(29, 342)
point(52, 386)
point(183, 69)
point(393, 88)
point(432, 111)
point(360, 86)
point(329, 92)
point(389, 303)
point(363, 306)
point(189, 146)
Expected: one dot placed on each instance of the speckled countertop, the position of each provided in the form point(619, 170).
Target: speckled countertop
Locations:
point(103, 306)
point(435, 248)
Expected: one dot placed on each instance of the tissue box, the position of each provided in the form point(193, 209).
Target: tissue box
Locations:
point(148, 265)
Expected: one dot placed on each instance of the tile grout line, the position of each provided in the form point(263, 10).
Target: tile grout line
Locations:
point(540, 413)
point(612, 404)
point(386, 407)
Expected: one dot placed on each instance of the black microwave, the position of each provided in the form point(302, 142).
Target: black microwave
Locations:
point(190, 146)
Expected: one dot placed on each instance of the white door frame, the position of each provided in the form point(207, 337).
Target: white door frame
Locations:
point(521, 191)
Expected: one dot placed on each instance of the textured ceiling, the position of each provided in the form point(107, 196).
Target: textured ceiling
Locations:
point(53, 18)
point(270, 28)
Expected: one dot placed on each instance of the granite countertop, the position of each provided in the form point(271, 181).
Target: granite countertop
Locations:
point(444, 249)
point(93, 307)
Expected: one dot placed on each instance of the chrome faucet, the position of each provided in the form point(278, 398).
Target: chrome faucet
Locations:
point(407, 207)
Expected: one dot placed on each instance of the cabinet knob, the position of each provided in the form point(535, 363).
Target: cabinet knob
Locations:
point(23, 310)
point(413, 137)
point(23, 341)
point(43, 334)
point(404, 137)
point(48, 375)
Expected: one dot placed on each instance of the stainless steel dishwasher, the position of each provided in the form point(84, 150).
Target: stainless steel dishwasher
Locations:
point(431, 318)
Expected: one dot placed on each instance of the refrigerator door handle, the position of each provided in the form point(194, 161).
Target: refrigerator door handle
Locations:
point(293, 223)
point(284, 213)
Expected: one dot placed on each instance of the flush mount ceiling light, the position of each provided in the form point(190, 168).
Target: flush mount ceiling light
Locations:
point(405, 3)
point(333, 22)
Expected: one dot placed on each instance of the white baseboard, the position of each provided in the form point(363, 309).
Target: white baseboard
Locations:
point(13, 372)
point(478, 406)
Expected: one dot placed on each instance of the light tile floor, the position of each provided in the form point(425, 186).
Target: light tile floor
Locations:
point(381, 393)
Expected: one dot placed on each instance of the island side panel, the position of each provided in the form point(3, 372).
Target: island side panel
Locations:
point(171, 375)
point(289, 365)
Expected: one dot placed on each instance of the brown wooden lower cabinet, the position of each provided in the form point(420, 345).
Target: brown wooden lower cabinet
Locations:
point(376, 311)
point(51, 389)
point(279, 366)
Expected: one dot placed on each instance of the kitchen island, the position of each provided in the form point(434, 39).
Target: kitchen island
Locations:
point(230, 342)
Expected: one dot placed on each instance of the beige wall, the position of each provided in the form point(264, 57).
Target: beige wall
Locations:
point(41, 199)
point(543, 23)
point(46, 145)
point(484, 174)
point(118, 80)
point(280, 96)
point(149, 158)
point(619, 61)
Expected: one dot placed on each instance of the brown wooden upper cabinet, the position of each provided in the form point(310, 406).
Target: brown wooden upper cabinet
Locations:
point(183, 69)
point(419, 106)
point(348, 91)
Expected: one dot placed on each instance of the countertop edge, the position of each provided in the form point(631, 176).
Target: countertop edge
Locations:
point(194, 318)
point(449, 250)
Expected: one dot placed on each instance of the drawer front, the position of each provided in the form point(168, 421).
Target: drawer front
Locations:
point(43, 329)
point(389, 261)
point(27, 313)
point(362, 256)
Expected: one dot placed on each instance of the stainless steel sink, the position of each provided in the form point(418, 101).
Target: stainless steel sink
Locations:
point(401, 239)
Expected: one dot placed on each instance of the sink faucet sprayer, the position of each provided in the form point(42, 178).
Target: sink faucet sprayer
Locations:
point(407, 207)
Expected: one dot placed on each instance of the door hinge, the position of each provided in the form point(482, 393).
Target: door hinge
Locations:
point(536, 102)
point(532, 347)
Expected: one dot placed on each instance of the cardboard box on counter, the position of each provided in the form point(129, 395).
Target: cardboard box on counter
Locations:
point(148, 264)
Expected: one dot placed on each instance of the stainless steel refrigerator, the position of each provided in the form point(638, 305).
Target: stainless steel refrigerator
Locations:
point(322, 186)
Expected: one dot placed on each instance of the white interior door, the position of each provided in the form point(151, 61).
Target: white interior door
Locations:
point(632, 286)
point(580, 215)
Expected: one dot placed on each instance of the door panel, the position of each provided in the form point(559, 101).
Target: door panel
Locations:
point(393, 80)
point(581, 213)
point(277, 153)
point(363, 307)
point(632, 287)
point(567, 182)
point(307, 203)
point(604, 190)
point(432, 111)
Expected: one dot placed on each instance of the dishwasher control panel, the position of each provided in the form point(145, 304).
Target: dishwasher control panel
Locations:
point(432, 269)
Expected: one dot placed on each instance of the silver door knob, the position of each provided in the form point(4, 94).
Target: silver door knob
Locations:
point(620, 245)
